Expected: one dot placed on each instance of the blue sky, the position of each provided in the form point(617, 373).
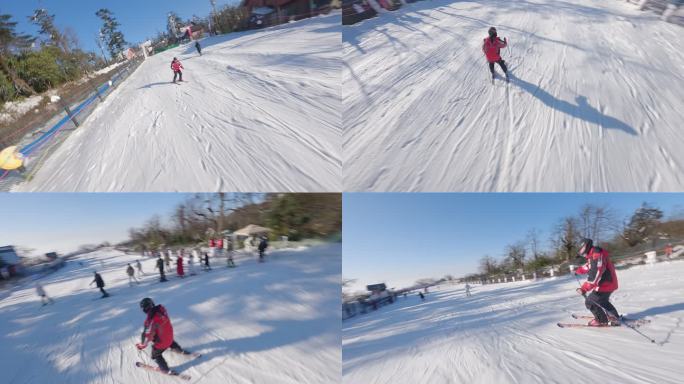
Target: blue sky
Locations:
point(63, 221)
point(399, 238)
point(139, 19)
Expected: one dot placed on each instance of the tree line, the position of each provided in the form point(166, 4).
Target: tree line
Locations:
point(597, 222)
point(31, 65)
point(204, 216)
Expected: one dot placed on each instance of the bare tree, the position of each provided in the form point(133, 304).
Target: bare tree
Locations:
point(533, 241)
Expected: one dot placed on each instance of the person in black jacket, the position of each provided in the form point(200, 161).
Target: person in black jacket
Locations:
point(100, 284)
point(198, 47)
point(262, 248)
point(160, 267)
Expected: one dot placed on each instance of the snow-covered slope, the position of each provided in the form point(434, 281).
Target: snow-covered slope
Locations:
point(595, 102)
point(507, 333)
point(259, 111)
point(276, 322)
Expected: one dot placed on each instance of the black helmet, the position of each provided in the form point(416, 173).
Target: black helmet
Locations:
point(492, 32)
point(146, 304)
point(585, 246)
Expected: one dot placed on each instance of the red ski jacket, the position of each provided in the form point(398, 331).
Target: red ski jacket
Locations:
point(179, 266)
point(176, 66)
point(601, 272)
point(491, 50)
point(158, 328)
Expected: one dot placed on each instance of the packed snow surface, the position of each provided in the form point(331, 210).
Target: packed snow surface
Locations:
point(507, 333)
point(276, 322)
point(259, 111)
point(594, 104)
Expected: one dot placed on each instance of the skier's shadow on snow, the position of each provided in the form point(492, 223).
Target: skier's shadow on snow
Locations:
point(658, 310)
point(582, 110)
point(150, 85)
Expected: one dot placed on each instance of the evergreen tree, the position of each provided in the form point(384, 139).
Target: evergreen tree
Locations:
point(113, 37)
point(10, 41)
point(173, 25)
point(642, 225)
point(46, 22)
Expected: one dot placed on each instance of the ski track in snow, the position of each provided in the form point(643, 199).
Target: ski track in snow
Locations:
point(259, 111)
point(507, 333)
point(276, 322)
point(594, 102)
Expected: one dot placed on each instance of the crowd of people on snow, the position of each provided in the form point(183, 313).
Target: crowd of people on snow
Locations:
point(184, 264)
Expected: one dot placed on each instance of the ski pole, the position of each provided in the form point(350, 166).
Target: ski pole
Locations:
point(622, 321)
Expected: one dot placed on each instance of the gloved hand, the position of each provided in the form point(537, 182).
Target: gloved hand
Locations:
point(580, 291)
point(141, 346)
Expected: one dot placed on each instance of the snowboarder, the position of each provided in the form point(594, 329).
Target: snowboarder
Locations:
point(44, 298)
point(263, 244)
point(138, 265)
point(179, 266)
point(492, 49)
point(167, 258)
point(160, 267)
point(467, 290)
point(131, 276)
point(159, 331)
point(601, 282)
point(422, 297)
point(100, 284)
point(176, 67)
point(198, 47)
point(206, 262)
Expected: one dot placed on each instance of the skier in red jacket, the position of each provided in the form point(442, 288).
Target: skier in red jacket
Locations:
point(601, 282)
point(158, 329)
point(176, 67)
point(179, 265)
point(492, 48)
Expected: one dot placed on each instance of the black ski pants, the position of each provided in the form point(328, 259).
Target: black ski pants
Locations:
point(104, 293)
point(180, 75)
point(159, 359)
point(598, 303)
point(501, 63)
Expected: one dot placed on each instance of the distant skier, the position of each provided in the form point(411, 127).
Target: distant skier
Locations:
point(668, 251)
point(167, 258)
point(492, 48)
point(206, 262)
point(138, 266)
point(422, 297)
point(160, 267)
point(158, 330)
point(131, 276)
point(179, 266)
point(44, 298)
point(229, 246)
point(467, 290)
point(176, 67)
point(263, 244)
point(100, 284)
point(191, 262)
point(601, 282)
point(198, 47)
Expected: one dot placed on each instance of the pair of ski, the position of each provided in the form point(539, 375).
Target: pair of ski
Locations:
point(170, 372)
point(632, 322)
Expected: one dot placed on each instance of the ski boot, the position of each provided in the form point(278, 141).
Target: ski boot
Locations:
point(596, 323)
point(613, 321)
